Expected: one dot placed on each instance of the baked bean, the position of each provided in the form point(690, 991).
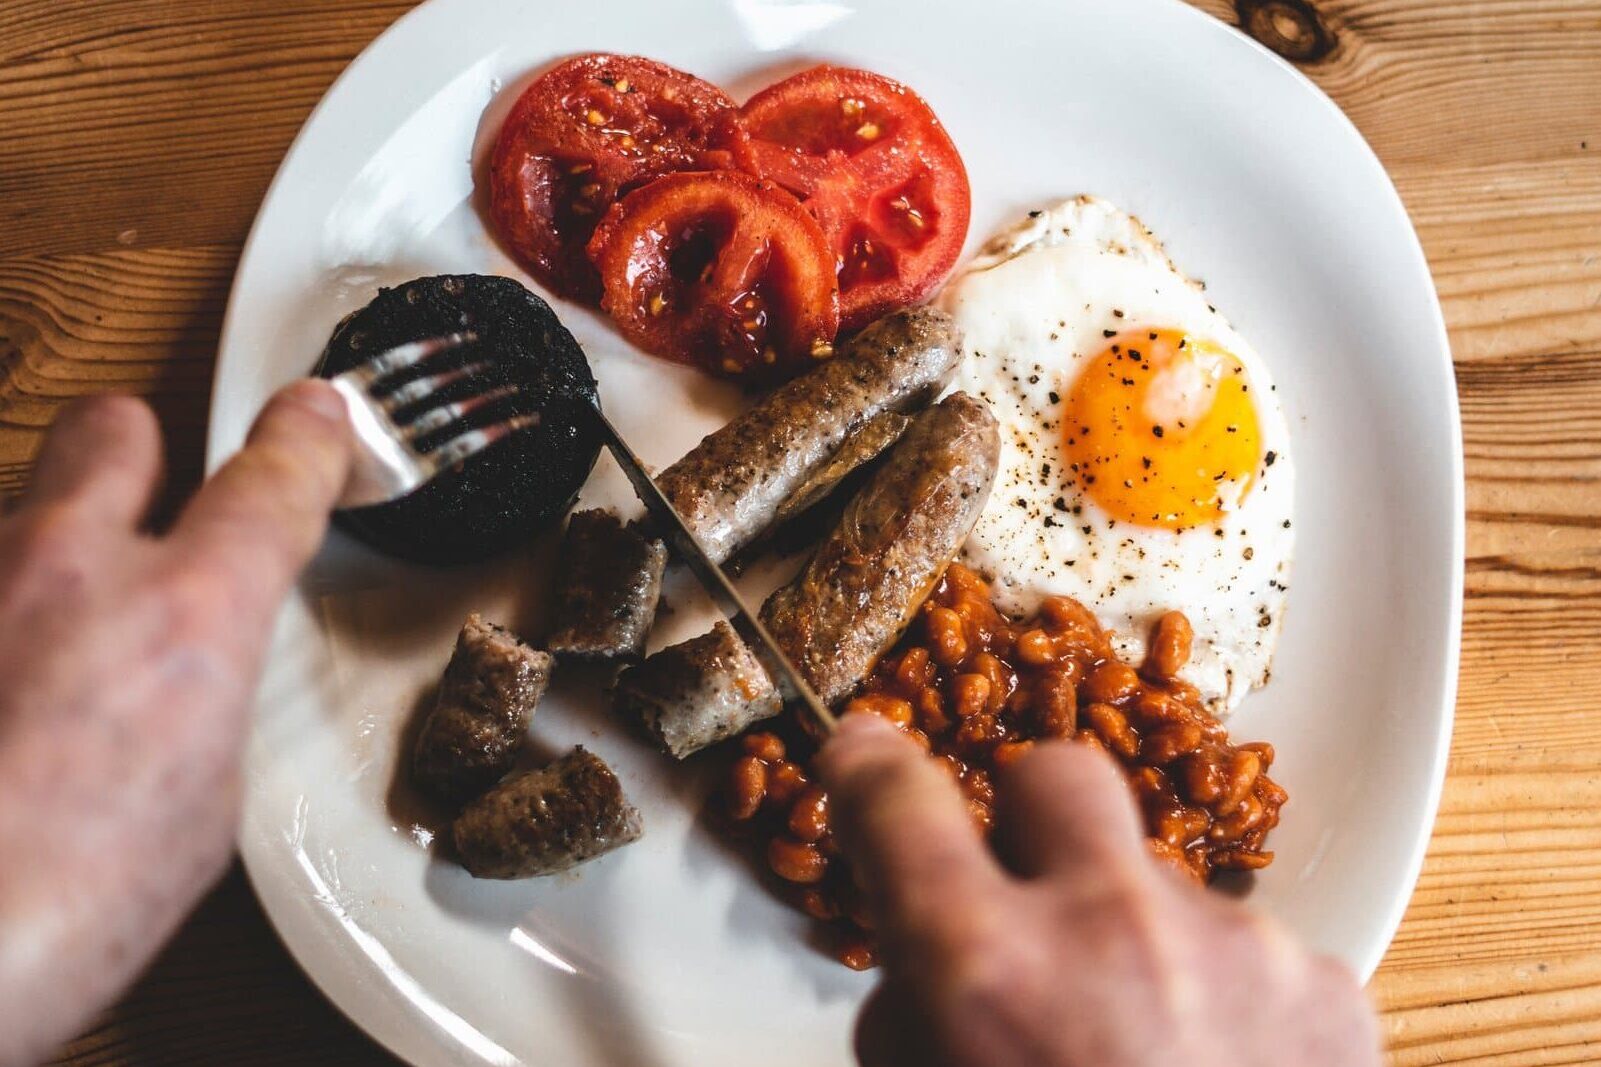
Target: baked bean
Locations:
point(1238, 823)
point(953, 764)
point(960, 580)
point(1002, 680)
point(1090, 740)
point(1010, 752)
point(923, 741)
point(1241, 859)
point(1264, 752)
point(808, 816)
point(1113, 728)
point(931, 716)
point(747, 788)
point(1153, 706)
point(978, 785)
point(1167, 744)
point(796, 861)
point(1184, 692)
point(785, 782)
point(1178, 825)
point(1036, 648)
point(1203, 777)
point(893, 708)
point(915, 670)
point(979, 733)
point(970, 694)
point(1170, 645)
point(1242, 770)
point(1064, 615)
point(765, 746)
point(947, 639)
point(983, 815)
point(858, 955)
point(1110, 682)
point(1057, 700)
point(819, 905)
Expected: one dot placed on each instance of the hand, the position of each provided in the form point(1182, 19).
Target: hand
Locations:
point(127, 668)
point(1080, 951)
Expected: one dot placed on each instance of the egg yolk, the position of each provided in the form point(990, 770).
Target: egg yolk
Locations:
point(1161, 430)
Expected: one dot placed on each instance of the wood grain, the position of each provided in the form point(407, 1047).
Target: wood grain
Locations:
point(140, 134)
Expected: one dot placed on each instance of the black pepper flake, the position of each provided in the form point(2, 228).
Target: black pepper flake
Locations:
point(1086, 529)
point(1056, 397)
point(1033, 379)
point(1145, 461)
point(1049, 521)
point(1153, 335)
point(1108, 333)
point(1286, 524)
point(1035, 214)
point(1059, 504)
point(1249, 553)
point(1157, 430)
point(1270, 459)
point(1117, 313)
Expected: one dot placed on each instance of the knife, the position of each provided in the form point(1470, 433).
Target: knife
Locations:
point(791, 686)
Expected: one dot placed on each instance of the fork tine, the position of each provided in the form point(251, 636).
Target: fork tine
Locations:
point(423, 388)
point(464, 446)
point(442, 416)
point(408, 355)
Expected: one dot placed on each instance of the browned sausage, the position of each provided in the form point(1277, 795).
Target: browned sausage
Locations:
point(608, 581)
point(730, 487)
point(548, 820)
point(479, 721)
point(869, 576)
point(698, 692)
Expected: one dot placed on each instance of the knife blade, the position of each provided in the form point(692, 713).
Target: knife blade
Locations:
point(788, 680)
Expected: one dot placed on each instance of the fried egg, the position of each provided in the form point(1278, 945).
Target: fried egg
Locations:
point(1145, 462)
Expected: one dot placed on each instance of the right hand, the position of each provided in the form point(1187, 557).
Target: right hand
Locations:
point(1081, 951)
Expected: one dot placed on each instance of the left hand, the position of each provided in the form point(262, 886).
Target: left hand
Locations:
point(127, 667)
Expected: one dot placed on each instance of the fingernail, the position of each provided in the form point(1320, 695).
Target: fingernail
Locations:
point(316, 397)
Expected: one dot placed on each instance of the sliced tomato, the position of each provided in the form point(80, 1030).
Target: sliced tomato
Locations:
point(876, 169)
point(720, 270)
point(584, 133)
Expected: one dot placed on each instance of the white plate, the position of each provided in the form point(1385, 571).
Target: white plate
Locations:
point(669, 953)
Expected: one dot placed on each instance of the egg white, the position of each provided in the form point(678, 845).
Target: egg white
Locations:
point(1035, 306)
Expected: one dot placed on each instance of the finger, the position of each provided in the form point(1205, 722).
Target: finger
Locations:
point(906, 830)
point(103, 458)
point(891, 1033)
point(263, 514)
point(1063, 808)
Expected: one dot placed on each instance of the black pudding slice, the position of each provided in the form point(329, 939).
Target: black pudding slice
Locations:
point(508, 492)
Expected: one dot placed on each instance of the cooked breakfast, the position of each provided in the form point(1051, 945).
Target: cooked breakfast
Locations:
point(507, 494)
point(1066, 485)
point(546, 820)
point(608, 582)
point(697, 692)
point(864, 583)
point(479, 722)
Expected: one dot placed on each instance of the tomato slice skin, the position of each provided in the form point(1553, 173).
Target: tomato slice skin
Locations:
point(583, 134)
point(719, 270)
point(876, 168)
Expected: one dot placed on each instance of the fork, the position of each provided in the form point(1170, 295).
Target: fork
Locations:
point(389, 463)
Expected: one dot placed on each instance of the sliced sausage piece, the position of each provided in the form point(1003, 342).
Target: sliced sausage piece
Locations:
point(730, 486)
point(479, 721)
point(699, 692)
point(859, 450)
point(608, 581)
point(545, 821)
point(869, 576)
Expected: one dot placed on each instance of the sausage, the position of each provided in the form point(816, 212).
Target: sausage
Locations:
point(479, 721)
point(608, 581)
point(730, 486)
point(698, 692)
point(859, 450)
point(867, 579)
point(547, 820)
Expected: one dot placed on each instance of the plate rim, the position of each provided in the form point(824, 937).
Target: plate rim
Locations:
point(220, 441)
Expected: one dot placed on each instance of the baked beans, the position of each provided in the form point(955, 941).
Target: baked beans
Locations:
point(978, 691)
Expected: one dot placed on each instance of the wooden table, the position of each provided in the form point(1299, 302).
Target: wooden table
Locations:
point(137, 137)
